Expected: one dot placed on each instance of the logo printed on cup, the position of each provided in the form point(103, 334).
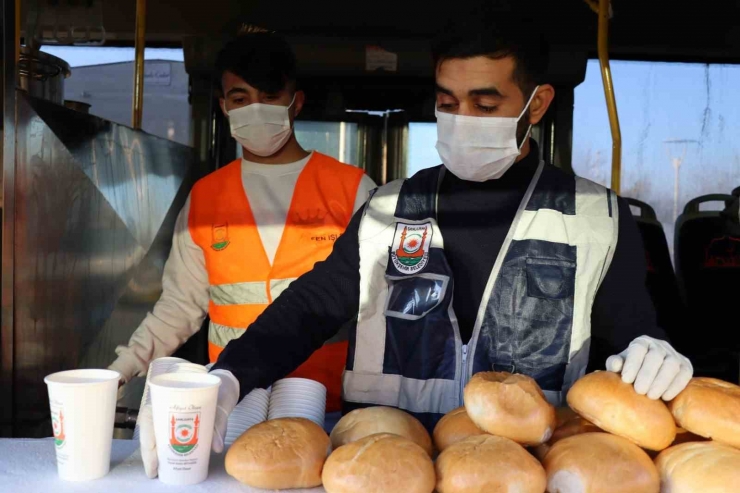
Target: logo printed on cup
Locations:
point(184, 431)
point(57, 423)
point(184, 409)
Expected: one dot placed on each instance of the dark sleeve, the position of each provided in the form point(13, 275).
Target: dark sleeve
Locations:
point(311, 311)
point(622, 309)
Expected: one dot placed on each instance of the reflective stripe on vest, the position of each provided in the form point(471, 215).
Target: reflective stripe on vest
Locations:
point(243, 282)
point(221, 335)
point(577, 243)
point(248, 293)
point(243, 293)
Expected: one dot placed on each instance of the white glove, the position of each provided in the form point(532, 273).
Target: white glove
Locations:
point(146, 441)
point(228, 395)
point(654, 367)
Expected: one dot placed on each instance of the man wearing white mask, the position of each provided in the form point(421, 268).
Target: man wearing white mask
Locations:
point(492, 261)
point(250, 228)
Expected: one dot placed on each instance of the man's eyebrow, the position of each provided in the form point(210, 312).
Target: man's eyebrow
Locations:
point(443, 90)
point(236, 90)
point(486, 91)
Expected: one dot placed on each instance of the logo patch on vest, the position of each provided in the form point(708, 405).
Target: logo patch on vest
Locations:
point(220, 237)
point(410, 253)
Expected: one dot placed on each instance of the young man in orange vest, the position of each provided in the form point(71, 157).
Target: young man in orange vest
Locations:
point(253, 226)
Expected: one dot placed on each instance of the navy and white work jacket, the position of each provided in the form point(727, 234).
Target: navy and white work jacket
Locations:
point(535, 315)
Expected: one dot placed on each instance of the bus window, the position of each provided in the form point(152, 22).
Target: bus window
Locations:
point(421, 147)
point(339, 140)
point(103, 78)
point(336, 139)
point(679, 122)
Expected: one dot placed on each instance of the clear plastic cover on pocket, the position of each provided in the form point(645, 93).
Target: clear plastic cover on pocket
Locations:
point(550, 279)
point(411, 298)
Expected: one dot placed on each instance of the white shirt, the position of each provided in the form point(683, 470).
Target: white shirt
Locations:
point(183, 306)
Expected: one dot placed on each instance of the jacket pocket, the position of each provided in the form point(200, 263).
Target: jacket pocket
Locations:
point(550, 279)
point(413, 297)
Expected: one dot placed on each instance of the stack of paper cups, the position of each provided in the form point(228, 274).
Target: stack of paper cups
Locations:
point(188, 368)
point(298, 398)
point(184, 409)
point(83, 409)
point(159, 366)
point(250, 411)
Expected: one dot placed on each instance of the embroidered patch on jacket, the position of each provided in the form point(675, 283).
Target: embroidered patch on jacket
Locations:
point(410, 252)
point(220, 237)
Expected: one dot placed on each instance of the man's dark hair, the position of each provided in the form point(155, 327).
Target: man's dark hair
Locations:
point(263, 59)
point(497, 35)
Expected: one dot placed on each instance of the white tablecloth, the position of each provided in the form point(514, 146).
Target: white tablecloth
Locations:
point(29, 466)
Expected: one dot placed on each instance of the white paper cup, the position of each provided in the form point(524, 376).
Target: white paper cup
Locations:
point(83, 410)
point(161, 366)
point(184, 409)
point(298, 398)
point(314, 396)
point(188, 368)
point(319, 420)
point(250, 411)
point(295, 410)
point(297, 381)
point(157, 367)
point(313, 405)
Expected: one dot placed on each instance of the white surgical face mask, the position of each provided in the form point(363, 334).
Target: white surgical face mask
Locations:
point(476, 148)
point(263, 129)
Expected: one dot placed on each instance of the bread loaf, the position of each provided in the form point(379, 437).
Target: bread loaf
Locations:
point(279, 454)
point(488, 464)
point(614, 406)
point(379, 463)
point(369, 421)
point(455, 426)
point(510, 406)
point(710, 408)
point(704, 467)
point(599, 463)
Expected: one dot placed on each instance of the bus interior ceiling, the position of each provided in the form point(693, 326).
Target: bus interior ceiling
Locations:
point(86, 264)
point(687, 31)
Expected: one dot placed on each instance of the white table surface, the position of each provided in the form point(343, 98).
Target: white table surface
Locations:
point(29, 466)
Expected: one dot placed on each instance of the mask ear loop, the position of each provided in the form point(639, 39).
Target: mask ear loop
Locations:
point(526, 107)
point(292, 101)
point(526, 136)
point(291, 104)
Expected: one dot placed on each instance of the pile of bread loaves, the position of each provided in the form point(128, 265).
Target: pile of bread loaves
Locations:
point(508, 439)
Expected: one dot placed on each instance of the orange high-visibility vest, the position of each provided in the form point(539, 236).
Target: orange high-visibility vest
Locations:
point(242, 281)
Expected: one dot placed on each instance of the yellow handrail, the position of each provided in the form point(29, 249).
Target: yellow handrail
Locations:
point(611, 102)
point(18, 32)
point(138, 102)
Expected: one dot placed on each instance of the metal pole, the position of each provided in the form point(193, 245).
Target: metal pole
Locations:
point(611, 102)
point(18, 31)
point(676, 168)
point(384, 151)
point(10, 49)
point(138, 103)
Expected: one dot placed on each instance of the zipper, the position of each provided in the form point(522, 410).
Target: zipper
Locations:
point(468, 370)
point(464, 376)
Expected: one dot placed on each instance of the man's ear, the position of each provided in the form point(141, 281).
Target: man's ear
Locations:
point(300, 99)
point(222, 103)
point(540, 103)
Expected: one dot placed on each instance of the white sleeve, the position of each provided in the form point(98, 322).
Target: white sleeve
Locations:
point(180, 311)
point(363, 191)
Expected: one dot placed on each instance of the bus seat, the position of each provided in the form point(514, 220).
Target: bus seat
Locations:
point(707, 252)
point(660, 279)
